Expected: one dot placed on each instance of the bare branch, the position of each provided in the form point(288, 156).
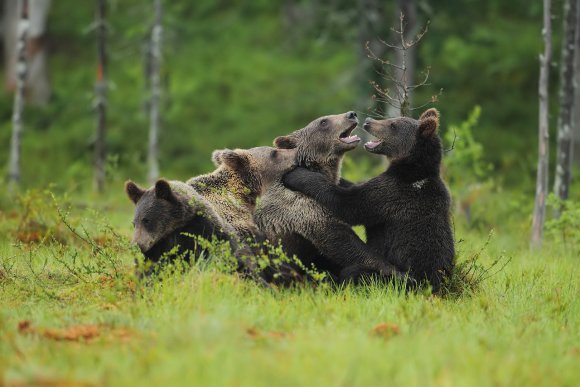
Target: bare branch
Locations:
point(398, 74)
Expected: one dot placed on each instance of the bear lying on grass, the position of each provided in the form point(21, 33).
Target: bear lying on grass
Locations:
point(219, 204)
point(167, 214)
point(304, 227)
point(405, 209)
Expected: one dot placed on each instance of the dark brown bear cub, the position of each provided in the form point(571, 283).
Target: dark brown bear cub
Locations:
point(406, 208)
point(165, 216)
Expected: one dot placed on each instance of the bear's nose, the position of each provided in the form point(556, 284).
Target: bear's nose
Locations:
point(367, 120)
point(351, 115)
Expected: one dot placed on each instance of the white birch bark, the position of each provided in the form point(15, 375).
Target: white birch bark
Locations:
point(154, 105)
point(21, 70)
point(101, 96)
point(543, 132)
point(38, 89)
point(565, 119)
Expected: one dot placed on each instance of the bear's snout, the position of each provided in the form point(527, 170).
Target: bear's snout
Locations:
point(367, 123)
point(351, 115)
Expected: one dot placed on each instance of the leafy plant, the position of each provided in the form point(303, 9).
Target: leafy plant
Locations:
point(465, 168)
point(566, 227)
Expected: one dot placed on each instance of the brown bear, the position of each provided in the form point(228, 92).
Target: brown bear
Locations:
point(169, 210)
point(304, 227)
point(240, 178)
point(219, 204)
point(405, 209)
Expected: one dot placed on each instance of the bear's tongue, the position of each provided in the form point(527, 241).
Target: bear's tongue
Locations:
point(372, 144)
point(350, 139)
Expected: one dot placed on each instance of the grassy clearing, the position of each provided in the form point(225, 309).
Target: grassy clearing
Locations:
point(69, 315)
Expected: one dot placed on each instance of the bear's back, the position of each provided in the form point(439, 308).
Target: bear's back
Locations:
point(227, 198)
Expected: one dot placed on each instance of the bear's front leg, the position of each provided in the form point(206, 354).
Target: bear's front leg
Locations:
point(305, 181)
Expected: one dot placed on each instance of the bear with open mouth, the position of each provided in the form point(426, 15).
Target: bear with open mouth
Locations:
point(300, 223)
point(406, 209)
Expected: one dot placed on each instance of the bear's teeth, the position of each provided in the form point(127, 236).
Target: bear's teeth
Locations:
point(350, 139)
point(372, 144)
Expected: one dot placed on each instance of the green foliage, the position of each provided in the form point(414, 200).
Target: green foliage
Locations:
point(465, 168)
point(239, 74)
point(464, 161)
point(471, 271)
point(565, 229)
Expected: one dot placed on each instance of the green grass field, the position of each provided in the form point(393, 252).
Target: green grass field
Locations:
point(71, 313)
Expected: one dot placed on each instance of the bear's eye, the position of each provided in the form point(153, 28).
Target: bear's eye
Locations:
point(145, 221)
point(274, 154)
point(323, 122)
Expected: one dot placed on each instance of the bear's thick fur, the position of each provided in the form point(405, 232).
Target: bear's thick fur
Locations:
point(240, 178)
point(219, 204)
point(302, 225)
point(166, 212)
point(406, 209)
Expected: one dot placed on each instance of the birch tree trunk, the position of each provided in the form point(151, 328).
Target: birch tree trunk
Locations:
point(567, 90)
point(155, 84)
point(37, 87)
point(543, 132)
point(101, 96)
point(576, 112)
point(21, 70)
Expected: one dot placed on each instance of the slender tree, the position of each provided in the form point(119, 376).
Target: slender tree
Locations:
point(398, 87)
point(567, 90)
point(406, 57)
point(371, 22)
point(543, 132)
point(155, 85)
point(101, 96)
point(38, 88)
point(576, 128)
point(21, 70)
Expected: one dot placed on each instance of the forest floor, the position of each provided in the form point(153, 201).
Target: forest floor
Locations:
point(72, 313)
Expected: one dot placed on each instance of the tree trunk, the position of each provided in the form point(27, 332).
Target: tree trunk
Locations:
point(21, 69)
point(155, 84)
point(38, 88)
point(406, 58)
point(576, 113)
point(371, 20)
point(543, 133)
point(567, 90)
point(101, 96)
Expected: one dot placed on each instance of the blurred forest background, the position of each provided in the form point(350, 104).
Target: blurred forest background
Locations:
point(239, 73)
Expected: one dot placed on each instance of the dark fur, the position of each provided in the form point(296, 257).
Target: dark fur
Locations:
point(405, 209)
point(165, 213)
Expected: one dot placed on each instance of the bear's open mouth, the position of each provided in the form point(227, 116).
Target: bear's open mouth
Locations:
point(347, 138)
point(373, 144)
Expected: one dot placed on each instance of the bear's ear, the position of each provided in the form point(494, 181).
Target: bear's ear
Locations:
point(428, 126)
point(429, 122)
point(133, 191)
point(163, 190)
point(285, 142)
point(235, 160)
point(430, 113)
point(216, 157)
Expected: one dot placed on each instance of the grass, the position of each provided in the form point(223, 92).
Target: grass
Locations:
point(73, 315)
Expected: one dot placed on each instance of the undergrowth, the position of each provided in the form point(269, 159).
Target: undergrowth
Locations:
point(56, 250)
